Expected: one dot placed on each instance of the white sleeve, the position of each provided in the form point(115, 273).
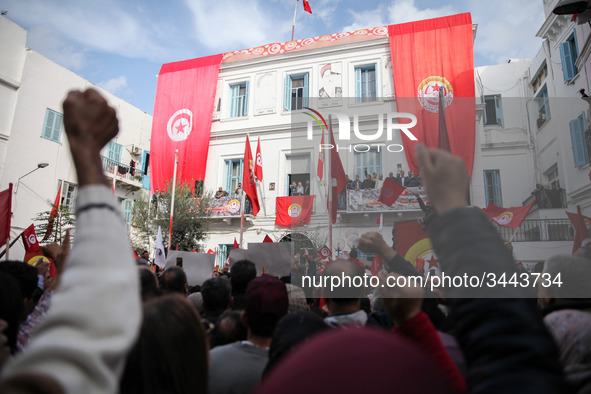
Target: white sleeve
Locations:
point(95, 313)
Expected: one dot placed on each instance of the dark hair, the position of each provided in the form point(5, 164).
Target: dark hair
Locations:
point(11, 308)
point(216, 294)
point(173, 280)
point(170, 355)
point(228, 329)
point(148, 283)
point(243, 271)
point(353, 253)
point(25, 275)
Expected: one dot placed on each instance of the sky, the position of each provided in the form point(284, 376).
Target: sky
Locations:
point(120, 45)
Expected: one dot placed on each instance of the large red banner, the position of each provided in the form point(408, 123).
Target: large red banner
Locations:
point(183, 112)
point(427, 55)
point(5, 214)
point(293, 211)
point(581, 224)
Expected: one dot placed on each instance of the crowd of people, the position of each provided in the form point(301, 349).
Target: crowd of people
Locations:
point(104, 324)
point(375, 181)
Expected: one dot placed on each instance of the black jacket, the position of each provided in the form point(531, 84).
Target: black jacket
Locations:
point(504, 340)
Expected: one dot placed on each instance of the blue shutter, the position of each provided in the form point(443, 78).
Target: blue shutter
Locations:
point(578, 142)
point(287, 98)
point(497, 188)
point(358, 88)
point(568, 63)
point(234, 89)
point(499, 110)
point(246, 98)
point(228, 174)
point(305, 91)
point(145, 165)
point(127, 209)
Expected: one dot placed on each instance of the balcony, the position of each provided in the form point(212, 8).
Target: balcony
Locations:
point(125, 176)
point(539, 230)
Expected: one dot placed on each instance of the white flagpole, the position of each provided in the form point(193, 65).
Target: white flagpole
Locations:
point(294, 19)
point(176, 161)
point(329, 183)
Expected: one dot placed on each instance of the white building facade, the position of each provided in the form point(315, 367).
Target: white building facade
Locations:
point(32, 89)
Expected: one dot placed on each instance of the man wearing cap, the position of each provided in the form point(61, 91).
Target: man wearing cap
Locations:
point(238, 367)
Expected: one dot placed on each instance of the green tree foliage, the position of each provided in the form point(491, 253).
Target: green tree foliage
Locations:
point(191, 219)
point(65, 219)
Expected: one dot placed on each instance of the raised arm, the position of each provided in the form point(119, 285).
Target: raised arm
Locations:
point(95, 312)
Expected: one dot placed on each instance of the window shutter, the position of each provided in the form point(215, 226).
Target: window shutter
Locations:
point(228, 174)
point(568, 64)
point(499, 110)
point(577, 142)
point(287, 98)
point(233, 100)
point(306, 91)
point(497, 188)
point(57, 126)
point(246, 98)
point(358, 92)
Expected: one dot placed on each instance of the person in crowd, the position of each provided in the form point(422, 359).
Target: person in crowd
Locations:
point(293, 329)
point(555, 196)
point(391, 175)
point(297, 299)
point(398, 179)
point(238, 367)
point(368, 183)
point(293, 188)
point(299, 189)
point(354, 257)
point(82, 343)
point(228, 329)
point(217, 298)
point(170, 354)
point(413, 179)
point(541, 196)
point(11, 311)
point(27, 279)
point(196, 299)
point(380, 181)
point(174, 280)
point(238, 191)
point(220, 193)
point(243, 271)
point(307, 188)
point(403, 178)
point(146, 255)
point(567, 316)
point(149, 286)
point(155, 200)
point(356, 184)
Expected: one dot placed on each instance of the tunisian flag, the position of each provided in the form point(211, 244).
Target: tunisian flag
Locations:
point(390, 192)
point(307, 7)
point(5, 214)
point(258, 166)
point(292, 211)
point(183, 111)
point(581, 224)
point(338, 179)
point(507, 217)
point(30, 239)
point(427, 55)
point(248, 183)
point(414, 245)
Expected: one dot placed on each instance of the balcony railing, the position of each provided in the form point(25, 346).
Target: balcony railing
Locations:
point(367, 201)
point(122, 170)
point(539, 230)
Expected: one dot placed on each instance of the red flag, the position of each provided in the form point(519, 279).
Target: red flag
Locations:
point(210, 251)
point(320, 171)
point(267, 239)
point(581, 224)
point(376, 264)
point(307, 7)
point(30, 239)
point(53, 214)
point(5, 214)
point(248, 182)
point(390, 192)
point(507, 217)
point(427, 55)
point(292, 211)
point(324, 252)
point(183, 110)
point(135, 254)
point(337, 176)
point(258, 167)
point(236, 246)
point(414, 244)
